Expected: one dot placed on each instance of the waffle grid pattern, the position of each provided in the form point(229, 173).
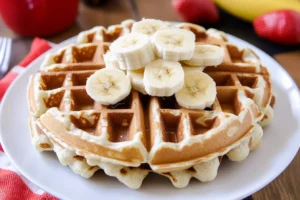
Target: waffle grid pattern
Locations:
point(159, 125)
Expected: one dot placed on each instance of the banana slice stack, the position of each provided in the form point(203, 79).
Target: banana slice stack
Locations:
point(157, 59)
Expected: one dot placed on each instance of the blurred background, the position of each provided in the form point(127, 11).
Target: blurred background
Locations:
point(271, 25)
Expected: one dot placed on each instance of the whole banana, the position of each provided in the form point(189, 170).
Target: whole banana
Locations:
point(250, 9)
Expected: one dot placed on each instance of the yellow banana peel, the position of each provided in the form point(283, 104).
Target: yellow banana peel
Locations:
point(250, 9)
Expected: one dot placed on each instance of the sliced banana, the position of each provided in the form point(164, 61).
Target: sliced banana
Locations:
point(133, 51)
point(188, 68)
point(163, 78)
point(148, 26)
point(198, 92)
point(206, 55)
point(110, 60)
point(137, 80)
point(250, 57)
point(192, 27)
point(174, 44)
point(217, 34)
point(128, 23)
point(108, 86)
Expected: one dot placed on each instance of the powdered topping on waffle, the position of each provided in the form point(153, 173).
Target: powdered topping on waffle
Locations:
point(165, 134)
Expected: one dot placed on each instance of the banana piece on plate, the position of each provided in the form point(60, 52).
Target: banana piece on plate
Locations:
point(108, 86)
point(197, 28)
point(137, 80)
point(110, 60)
point(128, 23)
point(250, 57)
point(217, 34)
point(148, 26)
point(206, 55)
point(133, 51)
point(188, 68)
point(174, 44)
point(163, 78)
point(198, 92)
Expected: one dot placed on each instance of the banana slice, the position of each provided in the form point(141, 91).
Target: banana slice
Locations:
point(110, 60)
point(137, 80)
point(249, 56)
point(163, 78)
point(188, 68)
point(108, 86)
point(199, 91)
point(192, 27)
point(206, 55)
point(133, 51)
point(218, 34)
point(128, 23)
point(148, 26)
point(174, 44)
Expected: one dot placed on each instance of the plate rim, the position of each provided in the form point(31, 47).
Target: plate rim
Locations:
point(71, 40)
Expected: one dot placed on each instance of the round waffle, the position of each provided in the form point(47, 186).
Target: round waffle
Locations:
point(143, 134)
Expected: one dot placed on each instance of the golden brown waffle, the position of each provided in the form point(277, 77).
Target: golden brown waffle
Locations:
point(176, 142)
point(63, 88)
point(189, 137)
point(240, 69)
point(47, 88)
point(101, 34)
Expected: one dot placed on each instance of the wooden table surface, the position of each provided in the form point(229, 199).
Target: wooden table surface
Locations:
point(287, 185)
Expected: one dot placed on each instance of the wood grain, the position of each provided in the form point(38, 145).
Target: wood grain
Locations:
point(110, 13)
point(284, 187)
point(161, 9)
point(287, 185)
point(291, 62)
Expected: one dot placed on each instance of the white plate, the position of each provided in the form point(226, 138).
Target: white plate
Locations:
point(234, 180)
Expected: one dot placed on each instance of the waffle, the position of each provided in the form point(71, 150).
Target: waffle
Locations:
point(101, 34)
point(143, 134)
point(239, 68)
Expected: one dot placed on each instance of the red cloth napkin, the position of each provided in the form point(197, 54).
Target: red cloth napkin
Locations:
point(38, 47)
point(13, 186)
